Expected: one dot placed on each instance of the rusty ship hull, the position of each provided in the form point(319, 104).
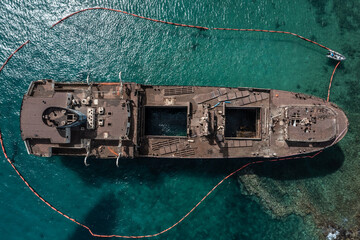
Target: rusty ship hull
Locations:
point(114, 120)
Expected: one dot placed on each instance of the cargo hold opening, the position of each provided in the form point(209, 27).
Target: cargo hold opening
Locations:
point(242, 123)
point(68, 151)
point(166, 120)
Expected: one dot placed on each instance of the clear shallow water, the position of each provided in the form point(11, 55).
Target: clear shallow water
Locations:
point(145, 196)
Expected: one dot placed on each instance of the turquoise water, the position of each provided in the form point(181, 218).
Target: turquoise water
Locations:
point(296, 200)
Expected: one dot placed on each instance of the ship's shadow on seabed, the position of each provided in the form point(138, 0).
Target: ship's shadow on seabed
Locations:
point(103, 223)
point(327, 162)
point(151, 170)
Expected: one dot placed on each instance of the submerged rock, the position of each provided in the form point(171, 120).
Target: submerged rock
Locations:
point(323, 190)
point(332, 235)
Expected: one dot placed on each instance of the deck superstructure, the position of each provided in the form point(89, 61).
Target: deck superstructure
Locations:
point(111, 120)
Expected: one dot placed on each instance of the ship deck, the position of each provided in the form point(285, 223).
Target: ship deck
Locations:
point(133, 120)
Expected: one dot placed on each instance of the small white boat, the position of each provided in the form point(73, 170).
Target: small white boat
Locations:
point(336, 56)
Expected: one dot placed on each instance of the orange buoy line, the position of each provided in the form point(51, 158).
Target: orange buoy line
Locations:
point(11, 55)
point(273, 31)
point(138, 236)
point(332, 75)
point(189, 26)
point(211, 191)
point(134, 15)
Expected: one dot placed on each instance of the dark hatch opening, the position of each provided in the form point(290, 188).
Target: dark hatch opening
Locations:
point(68, 151)
point(242, 122)
point(166, 121)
